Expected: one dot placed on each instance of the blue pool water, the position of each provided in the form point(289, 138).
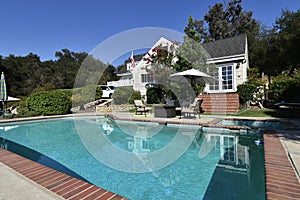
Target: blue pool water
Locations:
point(254, 124)
point(213, 166)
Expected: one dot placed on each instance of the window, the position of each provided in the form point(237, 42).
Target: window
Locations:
point(215, 86)
point(225, 76)
point(147, 78)
point(229, 149)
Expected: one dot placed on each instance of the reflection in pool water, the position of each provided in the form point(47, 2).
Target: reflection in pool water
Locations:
point(214, 166)
point(254, 123)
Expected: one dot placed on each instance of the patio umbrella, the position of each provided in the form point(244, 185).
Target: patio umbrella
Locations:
point(194, 76)
point(3, 92)
point(12, 99)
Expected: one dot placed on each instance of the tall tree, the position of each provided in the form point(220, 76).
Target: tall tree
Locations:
point(22, 73)
point(222, 21)
point(276, 50)
point(67, 65)
point(287, 28)
point(109, 74)
point(26, 73)
point(195, 29)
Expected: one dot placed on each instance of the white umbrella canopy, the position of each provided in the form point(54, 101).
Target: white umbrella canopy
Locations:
point(12, 99)
point(194, 76)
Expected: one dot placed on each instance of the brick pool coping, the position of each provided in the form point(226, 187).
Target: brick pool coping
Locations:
point(281, 179)
point(63, 185)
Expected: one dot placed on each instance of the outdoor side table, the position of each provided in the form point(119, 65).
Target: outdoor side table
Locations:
point(165, 111)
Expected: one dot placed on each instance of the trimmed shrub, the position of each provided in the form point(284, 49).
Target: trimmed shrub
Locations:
point(136, 95)
point(291, 92)
point(154, 95)
point(246, 91)
point(279, 86)
point(49, 103)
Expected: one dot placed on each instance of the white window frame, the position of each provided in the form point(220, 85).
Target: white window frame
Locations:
point(220, 78)
point(146, 78)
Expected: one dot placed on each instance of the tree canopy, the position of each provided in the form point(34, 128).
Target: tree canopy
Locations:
point(24, 74)
point(277, 48)
point(222, 21)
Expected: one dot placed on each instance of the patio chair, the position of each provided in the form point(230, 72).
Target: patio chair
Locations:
point(193, 109)
point(140, 107)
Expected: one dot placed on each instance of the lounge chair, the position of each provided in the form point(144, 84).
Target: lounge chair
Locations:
point(194, 108)
point(140, 107)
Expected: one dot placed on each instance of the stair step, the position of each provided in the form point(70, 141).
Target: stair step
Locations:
point(220, 103)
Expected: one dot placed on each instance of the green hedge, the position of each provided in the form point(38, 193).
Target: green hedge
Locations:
point(285, 88)
point(154, 95)
point(136, 95)
point(54, 102)
point(246, 91)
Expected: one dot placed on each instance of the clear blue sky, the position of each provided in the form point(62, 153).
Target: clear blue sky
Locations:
point(46, 26)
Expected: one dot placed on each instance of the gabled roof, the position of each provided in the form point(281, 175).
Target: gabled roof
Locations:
point(226, 47)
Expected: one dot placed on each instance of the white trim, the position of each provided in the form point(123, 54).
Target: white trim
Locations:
point(225, 59)
point(220, 90)
point(125, 74)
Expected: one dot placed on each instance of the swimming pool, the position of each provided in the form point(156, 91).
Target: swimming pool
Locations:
point(213, 166)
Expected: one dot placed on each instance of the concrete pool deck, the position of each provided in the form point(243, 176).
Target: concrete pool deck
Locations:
point(16, 186)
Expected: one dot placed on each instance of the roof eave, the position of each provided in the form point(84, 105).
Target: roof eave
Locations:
point(124, 74)
point(226, 59)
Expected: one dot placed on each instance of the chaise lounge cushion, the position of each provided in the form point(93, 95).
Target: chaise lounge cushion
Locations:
point(140, 107)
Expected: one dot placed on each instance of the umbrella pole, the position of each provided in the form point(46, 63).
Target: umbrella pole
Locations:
point(2, 108)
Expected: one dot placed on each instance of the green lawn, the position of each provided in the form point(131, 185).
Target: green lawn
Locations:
point(280, 113)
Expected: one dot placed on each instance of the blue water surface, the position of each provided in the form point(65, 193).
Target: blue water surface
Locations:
point(215, 165)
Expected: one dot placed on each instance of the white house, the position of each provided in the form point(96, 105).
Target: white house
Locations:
point(137, 75)
point(231, 59)
point(230, 56)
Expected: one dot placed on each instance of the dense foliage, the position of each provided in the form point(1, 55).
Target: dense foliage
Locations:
point(136, 95)
point(285, 88)
point(154, 95)
point(246, 91)
point(277, 49)
point(222, 21)
point(54, 102)
point(25, 74)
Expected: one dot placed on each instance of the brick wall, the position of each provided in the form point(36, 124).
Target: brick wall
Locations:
point(220, 103)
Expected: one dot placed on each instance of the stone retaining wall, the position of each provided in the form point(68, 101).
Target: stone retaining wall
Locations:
point(115, 108)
